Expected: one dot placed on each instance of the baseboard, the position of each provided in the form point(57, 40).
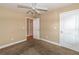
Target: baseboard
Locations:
point(57, 44)
point(7, 45)
point(50, 42)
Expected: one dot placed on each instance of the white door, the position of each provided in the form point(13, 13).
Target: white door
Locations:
point(69, 32)
point(36, 28)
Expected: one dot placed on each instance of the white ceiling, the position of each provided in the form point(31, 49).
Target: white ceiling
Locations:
point(47, 6)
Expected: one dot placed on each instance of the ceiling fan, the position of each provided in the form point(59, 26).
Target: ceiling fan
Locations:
point(32, 9)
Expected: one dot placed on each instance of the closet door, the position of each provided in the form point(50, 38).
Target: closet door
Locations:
point(69, 29)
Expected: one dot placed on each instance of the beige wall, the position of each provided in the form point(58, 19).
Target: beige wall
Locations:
point(50, 23)
point(12, 26)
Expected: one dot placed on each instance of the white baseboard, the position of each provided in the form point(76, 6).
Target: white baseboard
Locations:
point(50, 42)
point(7, 45)
point(57, 44)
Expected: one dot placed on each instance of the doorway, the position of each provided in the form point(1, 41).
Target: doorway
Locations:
point(33, 28)
point(69, 29)
point(29, 29)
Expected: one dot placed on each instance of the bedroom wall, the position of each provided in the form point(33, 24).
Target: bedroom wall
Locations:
point(12, 26)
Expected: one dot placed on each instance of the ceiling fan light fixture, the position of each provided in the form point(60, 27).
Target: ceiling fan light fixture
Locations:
point(33, 10)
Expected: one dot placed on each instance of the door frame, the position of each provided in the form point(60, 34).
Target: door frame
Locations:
point(60, 29)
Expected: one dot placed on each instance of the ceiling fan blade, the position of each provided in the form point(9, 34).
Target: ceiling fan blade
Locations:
point(37, 11)
point(41, 9)
point(33, 10)
point(22, 6)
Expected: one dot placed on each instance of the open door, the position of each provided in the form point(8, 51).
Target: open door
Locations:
point(29, 29)
point(36, 28)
